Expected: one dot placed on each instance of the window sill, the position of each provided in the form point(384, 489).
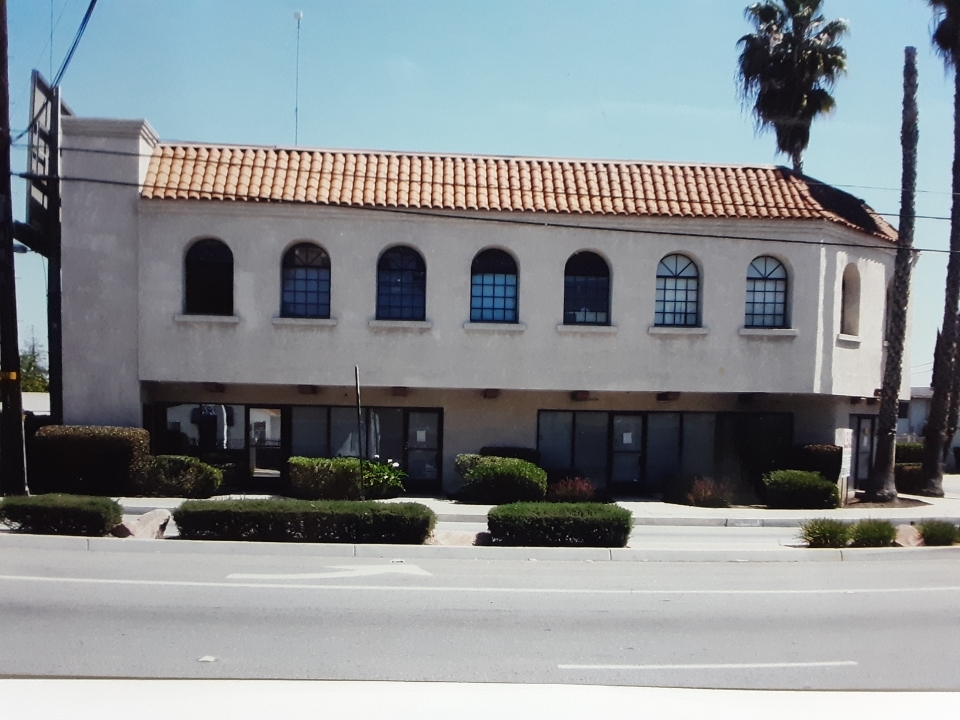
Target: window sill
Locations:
point(589, 329)
point(304, 322)
point(418, 325)
point(666, 330)
point(769, 332)
point(494, 327)
point(207, 319)
point(851, 341)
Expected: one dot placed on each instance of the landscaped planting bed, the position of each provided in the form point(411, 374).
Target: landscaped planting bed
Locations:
point(560, 524)
point(60, 514)
point(305, 521)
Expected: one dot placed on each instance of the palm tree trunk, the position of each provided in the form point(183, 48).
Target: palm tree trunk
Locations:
point(945, 359)
point(881, 486)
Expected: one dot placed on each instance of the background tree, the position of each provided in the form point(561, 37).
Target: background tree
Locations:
point(788, 67)
point(946, 40)
point(34, 375)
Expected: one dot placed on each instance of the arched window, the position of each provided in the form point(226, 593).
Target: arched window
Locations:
point(306, 282)
point(678, 292)
point(208, 281)
point(850, 301)
point(586, 290)
point(401, 285)
point(493, 288)
point(766, 293)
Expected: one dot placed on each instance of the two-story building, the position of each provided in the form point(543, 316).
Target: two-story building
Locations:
point(634, 322)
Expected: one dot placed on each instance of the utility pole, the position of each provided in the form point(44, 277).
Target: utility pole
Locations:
point(54, 294)
point(882, 486)
point(12, 472)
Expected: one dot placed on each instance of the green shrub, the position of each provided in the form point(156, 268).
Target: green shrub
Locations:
point(909, 453)
point(560, 524)
point(58, 514)
point(873, 533)
point(531, 455)
point(232, 464)
point(800, 489)
point(305, 521)
point(464, 463)
point(823, 459)
point(938, 532)
point(175, 476)
point(339, 478)
point(825, 533)
point(496, 480)
point(707, 492)
point(571, 490)
point(909, 478)
point(85, 460)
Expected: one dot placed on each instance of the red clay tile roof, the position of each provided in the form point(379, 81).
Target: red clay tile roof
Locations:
point(470, 182)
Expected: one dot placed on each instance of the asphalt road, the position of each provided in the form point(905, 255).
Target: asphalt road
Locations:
point(852, 625)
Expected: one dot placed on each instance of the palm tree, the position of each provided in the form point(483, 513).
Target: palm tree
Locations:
point(788, 67)
point(946, 40)
point(881, 485)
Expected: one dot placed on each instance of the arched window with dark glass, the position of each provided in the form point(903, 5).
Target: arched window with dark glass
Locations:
point(306, 282)
point(401, 285)
point(766, 294)
point(208, 279)
point(678, 292)
point(586, 290)
point(850, 301)
point(493, 288)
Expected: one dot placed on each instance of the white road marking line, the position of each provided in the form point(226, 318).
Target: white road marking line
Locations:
point(716, 666)
point(207, 658)
point(455, 589)
point(340, 571)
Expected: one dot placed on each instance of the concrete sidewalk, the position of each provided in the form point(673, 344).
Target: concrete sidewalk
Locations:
point(667, 514)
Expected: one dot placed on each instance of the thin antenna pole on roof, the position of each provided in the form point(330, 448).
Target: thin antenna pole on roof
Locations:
point(298, 16)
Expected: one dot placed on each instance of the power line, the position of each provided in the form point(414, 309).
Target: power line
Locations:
point(76, 42)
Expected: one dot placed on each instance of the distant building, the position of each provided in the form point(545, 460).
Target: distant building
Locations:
point(637, 323)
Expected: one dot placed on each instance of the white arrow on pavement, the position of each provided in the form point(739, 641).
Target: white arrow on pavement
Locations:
point(339, 571)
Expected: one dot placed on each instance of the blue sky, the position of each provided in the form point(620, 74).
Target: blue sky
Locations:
point(647, 79)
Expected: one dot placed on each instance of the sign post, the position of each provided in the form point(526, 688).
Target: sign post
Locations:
point(843, 438)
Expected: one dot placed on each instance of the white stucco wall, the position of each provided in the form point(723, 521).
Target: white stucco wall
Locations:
point(101, 374)
point(123, 291)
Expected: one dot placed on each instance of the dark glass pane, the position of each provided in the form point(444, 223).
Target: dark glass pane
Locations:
point(208, 270)
point(401, 285)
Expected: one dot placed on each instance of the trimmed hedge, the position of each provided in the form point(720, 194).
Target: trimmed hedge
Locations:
point(497, 480)
point(531, 455)
point(305, 521)
point(909, 453)
point(800, 489)
point(175, 476)
point(59, 514)
point(823, 459)
point(339, 479)
point(909, 478)
point(464, 463)
point(560, 524)
point(85, 460)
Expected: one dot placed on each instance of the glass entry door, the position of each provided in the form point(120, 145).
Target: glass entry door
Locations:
point(864, 434)
point(627, 448)
point(267, 458)
point(423, 446)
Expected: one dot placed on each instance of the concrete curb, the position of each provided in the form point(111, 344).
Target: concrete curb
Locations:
point(445, 552)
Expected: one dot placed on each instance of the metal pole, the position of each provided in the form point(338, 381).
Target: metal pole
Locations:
point(54, 296)
point(13, 479)
point(356, 370)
